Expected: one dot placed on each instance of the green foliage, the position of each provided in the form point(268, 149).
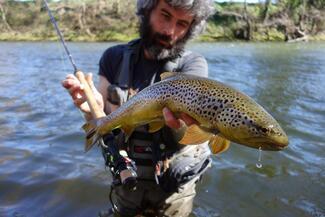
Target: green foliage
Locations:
point(102, 20)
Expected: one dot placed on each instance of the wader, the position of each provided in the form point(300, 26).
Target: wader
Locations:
point(160, 191)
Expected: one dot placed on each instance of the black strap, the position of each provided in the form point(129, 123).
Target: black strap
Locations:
point(124, 76)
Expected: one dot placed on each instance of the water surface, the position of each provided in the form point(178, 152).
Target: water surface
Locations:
point(44, 171)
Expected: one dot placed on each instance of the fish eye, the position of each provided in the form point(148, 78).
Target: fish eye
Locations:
point(264, 130)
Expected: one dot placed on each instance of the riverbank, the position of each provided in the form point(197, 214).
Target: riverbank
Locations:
point(274, 36)
point(116, 21)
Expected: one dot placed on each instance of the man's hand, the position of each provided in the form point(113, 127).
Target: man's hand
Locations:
point(175, 123)
point(72, 84)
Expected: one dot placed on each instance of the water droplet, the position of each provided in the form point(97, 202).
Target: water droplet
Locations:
point(259, 163)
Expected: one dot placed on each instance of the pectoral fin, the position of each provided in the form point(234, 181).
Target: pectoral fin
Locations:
point(155, 126)
point(195, 135)
point(218, 144)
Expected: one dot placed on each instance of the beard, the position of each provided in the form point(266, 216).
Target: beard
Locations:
point(165, 51)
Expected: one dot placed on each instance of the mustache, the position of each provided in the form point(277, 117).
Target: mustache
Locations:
point(165, 38)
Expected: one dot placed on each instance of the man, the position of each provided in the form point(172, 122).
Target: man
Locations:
point(166, 172)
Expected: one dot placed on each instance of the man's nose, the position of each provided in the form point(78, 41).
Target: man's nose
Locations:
point(169, 30)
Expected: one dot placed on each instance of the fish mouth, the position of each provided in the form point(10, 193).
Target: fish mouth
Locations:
point(269, 144)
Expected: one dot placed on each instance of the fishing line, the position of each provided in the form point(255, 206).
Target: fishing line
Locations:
point(259, 161)
point(60, 36)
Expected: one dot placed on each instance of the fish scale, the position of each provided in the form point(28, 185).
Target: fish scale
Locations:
point(221, 112)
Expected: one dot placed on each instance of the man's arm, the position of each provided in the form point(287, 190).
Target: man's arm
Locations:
point(194, 64)
point(102, 88)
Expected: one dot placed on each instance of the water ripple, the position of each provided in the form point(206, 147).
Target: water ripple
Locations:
point(43, 165)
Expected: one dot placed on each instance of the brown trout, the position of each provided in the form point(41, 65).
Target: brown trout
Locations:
point(223, 114)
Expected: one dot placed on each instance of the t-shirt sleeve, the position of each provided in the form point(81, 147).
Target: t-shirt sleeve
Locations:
point(109, 62)
point(194, 64)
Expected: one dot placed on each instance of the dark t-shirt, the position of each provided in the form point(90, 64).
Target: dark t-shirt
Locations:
point(145, 70)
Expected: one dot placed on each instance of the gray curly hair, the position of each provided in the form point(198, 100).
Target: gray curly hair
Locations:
point(201, 9)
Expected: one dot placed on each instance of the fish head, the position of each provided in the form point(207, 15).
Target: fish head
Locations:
point(269, 137)
point(252, 126)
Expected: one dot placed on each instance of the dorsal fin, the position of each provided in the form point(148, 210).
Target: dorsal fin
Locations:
point(166, 75)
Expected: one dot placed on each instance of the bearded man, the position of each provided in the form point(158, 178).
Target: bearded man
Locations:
point(163, 181)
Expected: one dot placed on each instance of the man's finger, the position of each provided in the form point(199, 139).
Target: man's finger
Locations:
point(68, 83)
point(75, 91)
point(77, 94)
point(90, 81)
point(71, 76)
point(79, 101)
point(170, 120)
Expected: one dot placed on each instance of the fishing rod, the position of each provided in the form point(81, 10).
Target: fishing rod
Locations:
point(94, 108)
point(127, 176)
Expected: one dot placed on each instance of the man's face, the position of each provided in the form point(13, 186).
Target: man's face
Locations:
point(165, 30)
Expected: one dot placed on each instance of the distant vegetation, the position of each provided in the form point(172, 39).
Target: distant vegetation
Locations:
point(107, 20)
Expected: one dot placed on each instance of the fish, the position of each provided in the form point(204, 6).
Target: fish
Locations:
point(223, 114)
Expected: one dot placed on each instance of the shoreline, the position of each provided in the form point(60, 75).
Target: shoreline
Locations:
point(118, 37)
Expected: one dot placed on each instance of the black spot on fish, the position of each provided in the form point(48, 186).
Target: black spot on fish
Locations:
point(264, 130)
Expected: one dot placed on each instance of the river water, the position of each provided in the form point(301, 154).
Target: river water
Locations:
point(45, 172)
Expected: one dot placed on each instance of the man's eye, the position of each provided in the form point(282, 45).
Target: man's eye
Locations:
point(183, 25)
point(166, 16)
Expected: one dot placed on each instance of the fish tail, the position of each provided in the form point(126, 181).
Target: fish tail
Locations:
point(91, 134)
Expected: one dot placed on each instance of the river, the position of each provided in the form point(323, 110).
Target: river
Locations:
point(45, 172)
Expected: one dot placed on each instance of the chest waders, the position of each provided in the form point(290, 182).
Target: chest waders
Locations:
point(150, 151)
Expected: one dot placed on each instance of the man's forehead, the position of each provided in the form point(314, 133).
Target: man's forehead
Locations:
point(178, 11)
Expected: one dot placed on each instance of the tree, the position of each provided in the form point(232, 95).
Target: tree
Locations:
point(3, 13)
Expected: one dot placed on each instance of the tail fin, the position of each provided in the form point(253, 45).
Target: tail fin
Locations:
point(91, 134)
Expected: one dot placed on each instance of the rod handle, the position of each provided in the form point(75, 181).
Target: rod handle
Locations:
point(91, 100)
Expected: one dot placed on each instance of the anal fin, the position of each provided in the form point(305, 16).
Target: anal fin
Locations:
point(128, 130)
point(155, 126)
